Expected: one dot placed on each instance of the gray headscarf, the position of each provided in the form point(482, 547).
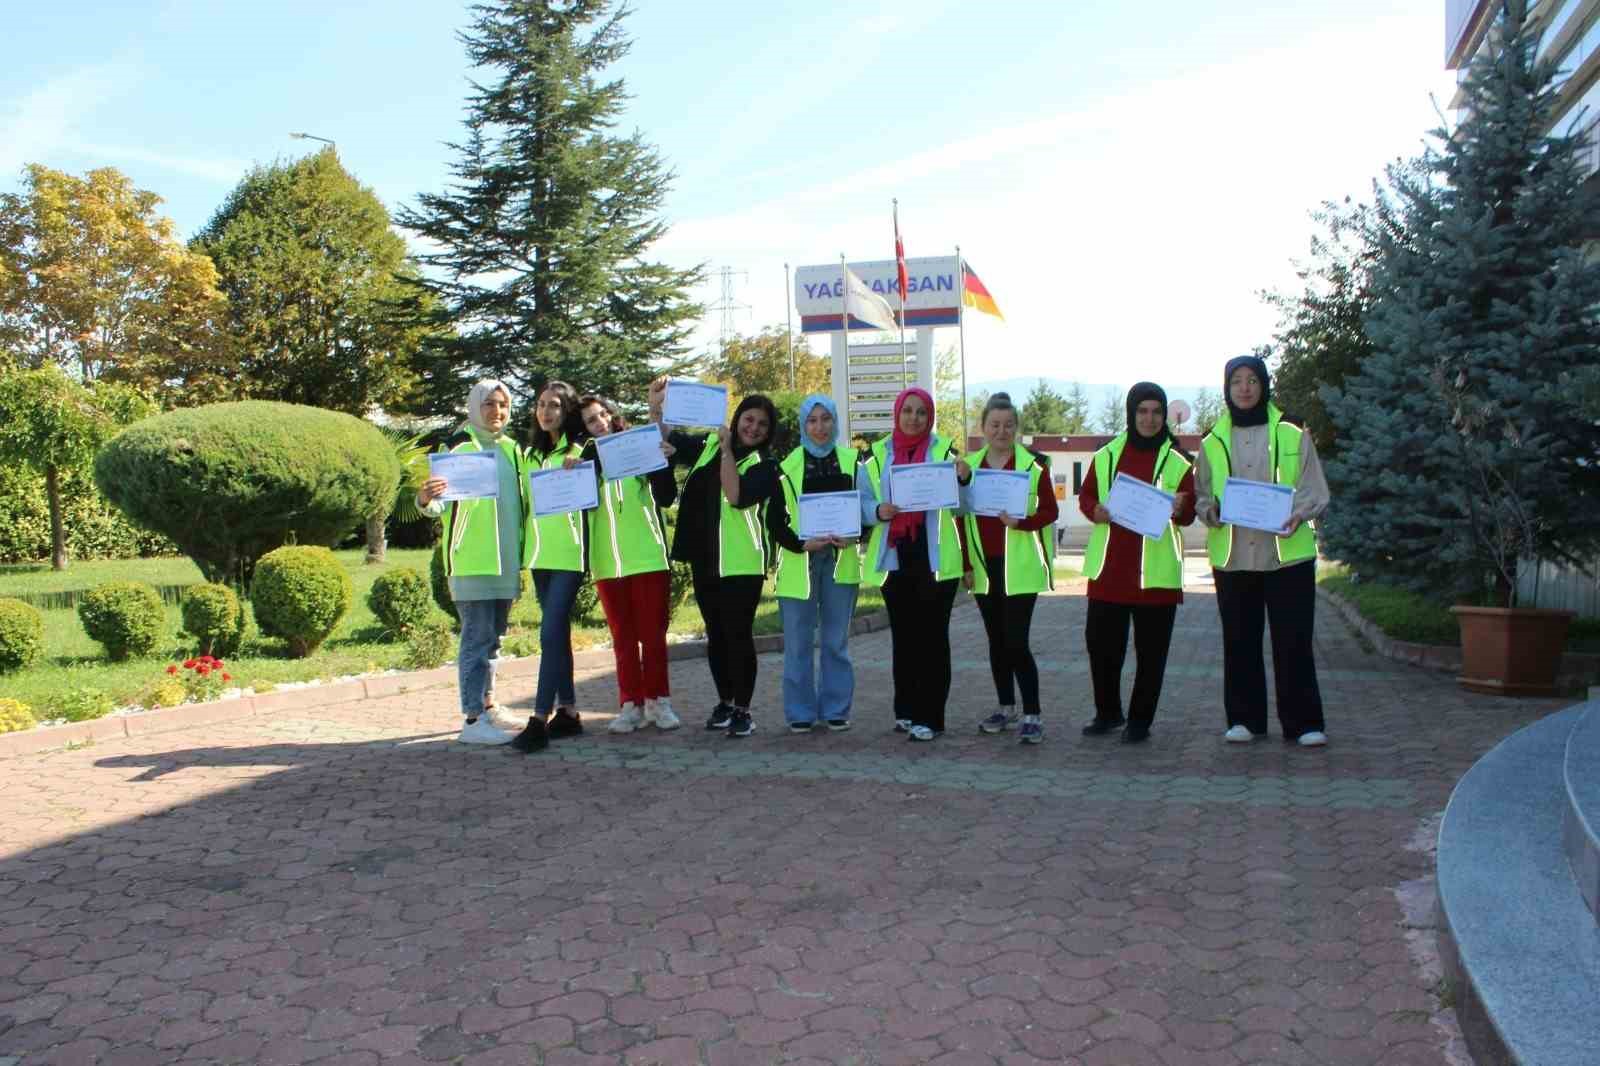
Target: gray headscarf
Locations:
point(481, 392)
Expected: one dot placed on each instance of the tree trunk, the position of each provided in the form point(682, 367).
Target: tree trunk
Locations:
point(58, 531)
point(377, 543)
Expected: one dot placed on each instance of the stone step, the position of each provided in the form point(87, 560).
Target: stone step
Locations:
point(1580, 828)
point(1520, 944)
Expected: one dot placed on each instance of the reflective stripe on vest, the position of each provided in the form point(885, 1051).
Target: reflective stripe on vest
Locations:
point(1028, 566)
point(794, 568)
point(950, 566)
point(1283, 445)
point(472, 527)
point(557, 538)
point(741, 532)
point(1161, 560)
point(626, 535)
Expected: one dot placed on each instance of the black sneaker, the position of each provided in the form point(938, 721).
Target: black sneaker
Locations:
point(1136, 734)
point(533, 738)
point(720, 717)
point(800, 727)
point(1101, 726)
point(565, 724)
point(740, 724)
point(838, 725)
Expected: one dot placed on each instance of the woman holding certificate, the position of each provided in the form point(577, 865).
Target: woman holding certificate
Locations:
point(1260, 485)
point(487, 542)
point(557, 564)
point(910, 498)
point(1010, 556)
point(721, 535)
point(628, 561)
point(1134, 577)
point(819, 572)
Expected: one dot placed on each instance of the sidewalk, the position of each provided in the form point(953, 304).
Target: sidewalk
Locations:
point(347, 885)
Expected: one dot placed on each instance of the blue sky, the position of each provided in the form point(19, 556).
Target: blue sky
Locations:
point(1125, 177)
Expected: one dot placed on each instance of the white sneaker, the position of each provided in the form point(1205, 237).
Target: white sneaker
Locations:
point(483, 731)
point(902, 725)
point(631, 718)
point(922, 732)
point(1314, 739)
point(659, 713)
point(1239, 735)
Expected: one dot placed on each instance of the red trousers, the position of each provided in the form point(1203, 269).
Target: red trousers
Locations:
point(636, 611)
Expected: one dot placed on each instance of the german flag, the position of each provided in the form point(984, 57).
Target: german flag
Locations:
point(975, 295)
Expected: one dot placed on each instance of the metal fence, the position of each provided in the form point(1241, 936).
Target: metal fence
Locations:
point(1559, 587)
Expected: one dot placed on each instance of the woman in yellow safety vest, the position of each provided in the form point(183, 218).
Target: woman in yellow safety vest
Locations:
point(1263, 577)
point(915, 557)
point(557, 565)
point(818, 578)
point(628, 561)
point(721, 534)
point(485, 545)
point(1010, 560)
point(1133, 578)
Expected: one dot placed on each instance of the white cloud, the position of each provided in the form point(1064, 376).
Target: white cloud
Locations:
point(215, 168)
point(38, 124)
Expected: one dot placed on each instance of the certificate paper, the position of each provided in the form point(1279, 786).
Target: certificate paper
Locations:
point(830, 514)
point(562, 491)
point(467, 475)
point(694, 403)
point(1139, 506)
point(924, 486)
point(1257, 504)
point(631, 452)
point(994, 492)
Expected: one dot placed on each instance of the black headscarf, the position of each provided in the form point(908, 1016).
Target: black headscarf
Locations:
point(1257, 415)
point(1147, 390)
point(754, 400)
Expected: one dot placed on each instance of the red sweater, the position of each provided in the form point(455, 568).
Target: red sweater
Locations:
point(1119, 578)
point(992, 531)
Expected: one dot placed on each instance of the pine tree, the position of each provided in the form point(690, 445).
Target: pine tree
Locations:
point(541, 270)
point(1466, 446)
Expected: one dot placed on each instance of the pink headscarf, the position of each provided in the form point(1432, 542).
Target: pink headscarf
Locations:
point(909, 448)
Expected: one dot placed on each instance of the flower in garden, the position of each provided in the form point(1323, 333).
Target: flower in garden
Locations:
point(227, 677)
point(172, 669)
point(188, 664)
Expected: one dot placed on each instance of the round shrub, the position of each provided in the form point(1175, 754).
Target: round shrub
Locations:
point(15, 715)
point(441, 584)
point(21, 634)
point(214, 617)
point(300, 593)
point(124, 616)
point(400, 598)
point(230, 482)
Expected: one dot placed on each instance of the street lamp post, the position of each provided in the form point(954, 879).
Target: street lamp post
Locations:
point(311, 137)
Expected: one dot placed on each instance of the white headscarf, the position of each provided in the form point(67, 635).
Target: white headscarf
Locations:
point(481, 392)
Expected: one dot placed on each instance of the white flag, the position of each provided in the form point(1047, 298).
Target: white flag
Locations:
point(865, 304)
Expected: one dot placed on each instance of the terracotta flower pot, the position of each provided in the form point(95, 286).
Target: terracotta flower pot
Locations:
point(1511, 651)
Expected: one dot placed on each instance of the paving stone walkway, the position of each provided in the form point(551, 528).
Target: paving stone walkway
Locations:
point(349, 886)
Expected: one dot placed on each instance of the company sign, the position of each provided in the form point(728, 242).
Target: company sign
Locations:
point(933, 292)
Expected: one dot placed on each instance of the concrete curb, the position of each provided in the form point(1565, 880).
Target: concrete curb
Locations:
point(169, 719)
point(1577, 672)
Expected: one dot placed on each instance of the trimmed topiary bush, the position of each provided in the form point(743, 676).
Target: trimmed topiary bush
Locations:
point(15, 716)
point(124, 616)
point(21, 634)
point(300, 593)
point(400, 598)
point(214, 617)
point(440, 583)
point(230, 482)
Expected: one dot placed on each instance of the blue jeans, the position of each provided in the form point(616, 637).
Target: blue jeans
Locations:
point(810, 695)
point(557, 590)
point(483, 623)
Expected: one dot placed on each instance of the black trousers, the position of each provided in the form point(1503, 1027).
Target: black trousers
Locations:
point(919, 637)
point(1105, 632)
point(1007, 620)
point(728, 606)
point(1286, 600)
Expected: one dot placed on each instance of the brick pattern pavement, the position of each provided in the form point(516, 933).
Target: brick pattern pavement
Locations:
point(350, 886)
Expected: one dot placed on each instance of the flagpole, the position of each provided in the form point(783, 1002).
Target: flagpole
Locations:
point(896, 203)
point(961, 339)
point(844, 307)
point(788, 322)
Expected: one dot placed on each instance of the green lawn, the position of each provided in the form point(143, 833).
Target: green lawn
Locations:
point(1413, 617)
point(72, 661)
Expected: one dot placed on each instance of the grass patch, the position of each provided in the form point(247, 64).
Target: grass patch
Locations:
point(1413, 617)
point(73, 663)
